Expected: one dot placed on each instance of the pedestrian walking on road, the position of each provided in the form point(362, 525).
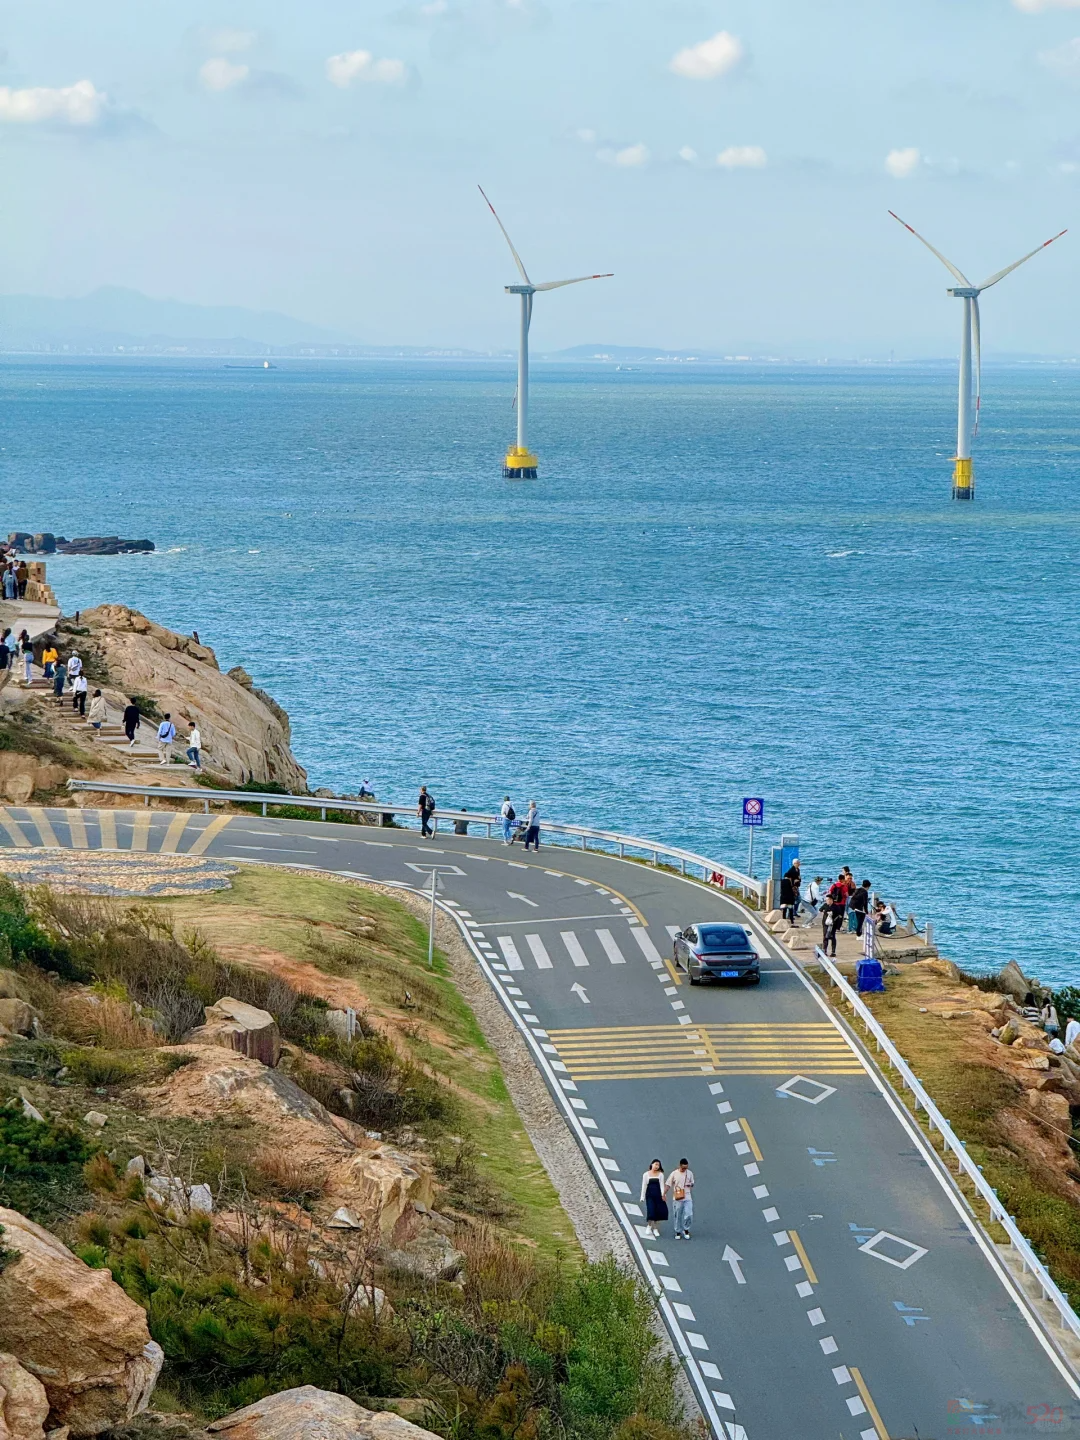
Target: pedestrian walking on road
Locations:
point(99, 711)
point(653, 1185)
point(508, 818)
point(78, 694)
point(532, 827)
point(425, 804)
point(194, 747)
point(681, 1184)
point(166, 734)
point(132, 721)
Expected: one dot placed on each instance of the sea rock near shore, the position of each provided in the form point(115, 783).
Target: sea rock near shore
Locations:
point(245, 735)
point(75, 1330)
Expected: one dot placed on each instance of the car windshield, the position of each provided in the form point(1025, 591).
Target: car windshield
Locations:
point(723, 937)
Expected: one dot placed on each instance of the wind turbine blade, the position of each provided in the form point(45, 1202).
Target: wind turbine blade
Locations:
point(555, 284)
point(953, 271)
point(517, 258)
point(977, 340)
point(1002, 273)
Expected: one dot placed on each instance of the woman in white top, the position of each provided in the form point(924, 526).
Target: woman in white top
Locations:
point(99, 711)
point(652, 1195)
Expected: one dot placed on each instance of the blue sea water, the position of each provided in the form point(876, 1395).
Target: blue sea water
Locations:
point(727, 581)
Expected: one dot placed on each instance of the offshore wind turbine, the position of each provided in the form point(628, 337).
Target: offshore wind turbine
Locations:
point(963, 475)
point(520, 463)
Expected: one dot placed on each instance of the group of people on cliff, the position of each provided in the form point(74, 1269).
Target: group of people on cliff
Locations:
point(14, 578)
point(836, 901)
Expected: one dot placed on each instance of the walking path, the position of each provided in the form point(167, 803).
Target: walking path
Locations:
point(837, 1283)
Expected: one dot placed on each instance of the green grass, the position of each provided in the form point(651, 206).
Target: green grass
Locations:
point(289, 913)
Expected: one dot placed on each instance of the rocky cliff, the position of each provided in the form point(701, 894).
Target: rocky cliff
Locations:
point(245, 733)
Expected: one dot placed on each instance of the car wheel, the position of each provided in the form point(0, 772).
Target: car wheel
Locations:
point(755, 979)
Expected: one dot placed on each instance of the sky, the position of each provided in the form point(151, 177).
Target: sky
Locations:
point(732, 163)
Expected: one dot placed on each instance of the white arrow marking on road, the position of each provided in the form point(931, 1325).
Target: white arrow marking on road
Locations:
point(515, 896)
point(579, 989)
point(733, 1258)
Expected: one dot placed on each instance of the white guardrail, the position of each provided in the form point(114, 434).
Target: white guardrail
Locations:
point(955, 1147)
point(712, 871)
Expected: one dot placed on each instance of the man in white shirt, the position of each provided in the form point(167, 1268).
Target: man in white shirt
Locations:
point(194, 745)
point(166, 734)
point(1072, 1032)
point(681, 1184)
point(507, 813)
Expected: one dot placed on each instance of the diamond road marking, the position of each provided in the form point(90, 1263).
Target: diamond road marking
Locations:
point(716, 1089)
point(670, 1283)
point(816, 1317)
point(855, 1405)
point(841, 1374)
point(804, 1289)
point(683, 1311)
point(829, 1345)
point(822, 1091)
point(609, 1164)
point(709, 1369)
point(916, 1251)
point(699, 1343)
point(725, 1401)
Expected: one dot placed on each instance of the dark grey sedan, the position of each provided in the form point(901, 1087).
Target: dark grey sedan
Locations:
point(713, 951)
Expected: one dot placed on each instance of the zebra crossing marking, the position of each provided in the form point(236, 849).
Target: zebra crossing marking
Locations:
point(208, 833)
point(140, 829)
point(573, 945)
point(510, 952)
point(648, 949)
point(44, 829)
point(107, 827)
point(77, 829)
point(13, 828)
point(611, 950)
point(540, 955)
point(177, 826)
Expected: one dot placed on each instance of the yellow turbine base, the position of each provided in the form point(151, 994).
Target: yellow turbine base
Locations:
point(520, 464)
point(963, 487)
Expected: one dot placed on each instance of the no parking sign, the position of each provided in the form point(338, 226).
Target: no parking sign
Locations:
point(753, 811)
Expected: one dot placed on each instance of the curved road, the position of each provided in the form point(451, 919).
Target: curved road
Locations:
point(835, 1285)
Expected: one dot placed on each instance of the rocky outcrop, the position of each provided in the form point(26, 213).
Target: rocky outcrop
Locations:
point(429, 1256)
point(75, 1330)
point(243, 737)
point(240, 1027)
point(308, 1413)
point(377, 1183)
point(17, 1017)
point(24, 1406)
point(21, 775)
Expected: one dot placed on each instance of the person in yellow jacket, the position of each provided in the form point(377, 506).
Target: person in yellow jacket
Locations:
point(49, 657)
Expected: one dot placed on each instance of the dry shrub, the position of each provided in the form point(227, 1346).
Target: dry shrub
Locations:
point(107, 1022)
point(287, 1179)
point(499, 1273)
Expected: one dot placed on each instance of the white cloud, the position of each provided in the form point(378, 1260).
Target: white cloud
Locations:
point(631, 155)
point(709, 59)
point(587, 137)
point(1033, 7)
point(742, 157)
point(230, 42)
point(688, 153)
point(81, 104)
point(220, 74)
point(1064, 59)
point(902, 163)
point(343, 69)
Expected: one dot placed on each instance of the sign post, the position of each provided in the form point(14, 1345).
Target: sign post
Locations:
point(753, 815)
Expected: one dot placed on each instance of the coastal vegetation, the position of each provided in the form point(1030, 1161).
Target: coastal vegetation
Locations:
point(204, 1181)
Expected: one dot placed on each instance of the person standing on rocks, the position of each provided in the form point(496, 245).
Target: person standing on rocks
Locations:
point(425, 805)
point(166, 734)
point(194, 747)
point(1072, 1031)
point(132, 721)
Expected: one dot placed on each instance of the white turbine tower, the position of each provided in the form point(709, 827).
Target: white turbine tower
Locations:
point(963, 477)
point(520, 463)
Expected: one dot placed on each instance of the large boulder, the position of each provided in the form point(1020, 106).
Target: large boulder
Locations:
point(240, 1027)
point(430, 1256)
point(75, 1330)
point(243, 736)
point(308, 1413)
point(1012, 980)
point(13, 986)
point(24, 1406)
point(17, 1017)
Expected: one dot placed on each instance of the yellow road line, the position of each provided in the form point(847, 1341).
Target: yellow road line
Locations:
point(140, 830)
point(44, 829)
point(721, 1030)
point(107, 826)
point(868, 1401)
point(77, 828)
point(11, 825)
point(754, 1147)
point(671, 1073)
point(207, 833)
point(669, 966)
point(810, 1273)
point(177, 826)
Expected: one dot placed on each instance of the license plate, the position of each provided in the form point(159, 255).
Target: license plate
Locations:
point(729, 974)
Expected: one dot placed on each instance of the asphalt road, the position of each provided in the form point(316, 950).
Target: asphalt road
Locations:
point(834, 1285)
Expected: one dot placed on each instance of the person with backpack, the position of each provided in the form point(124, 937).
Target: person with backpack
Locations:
point(832, 915)
point(425, 805)
point(859, 905)
point(508, 818)
point(166, 734)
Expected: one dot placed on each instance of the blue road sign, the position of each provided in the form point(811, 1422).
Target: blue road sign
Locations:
point(753, 811)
